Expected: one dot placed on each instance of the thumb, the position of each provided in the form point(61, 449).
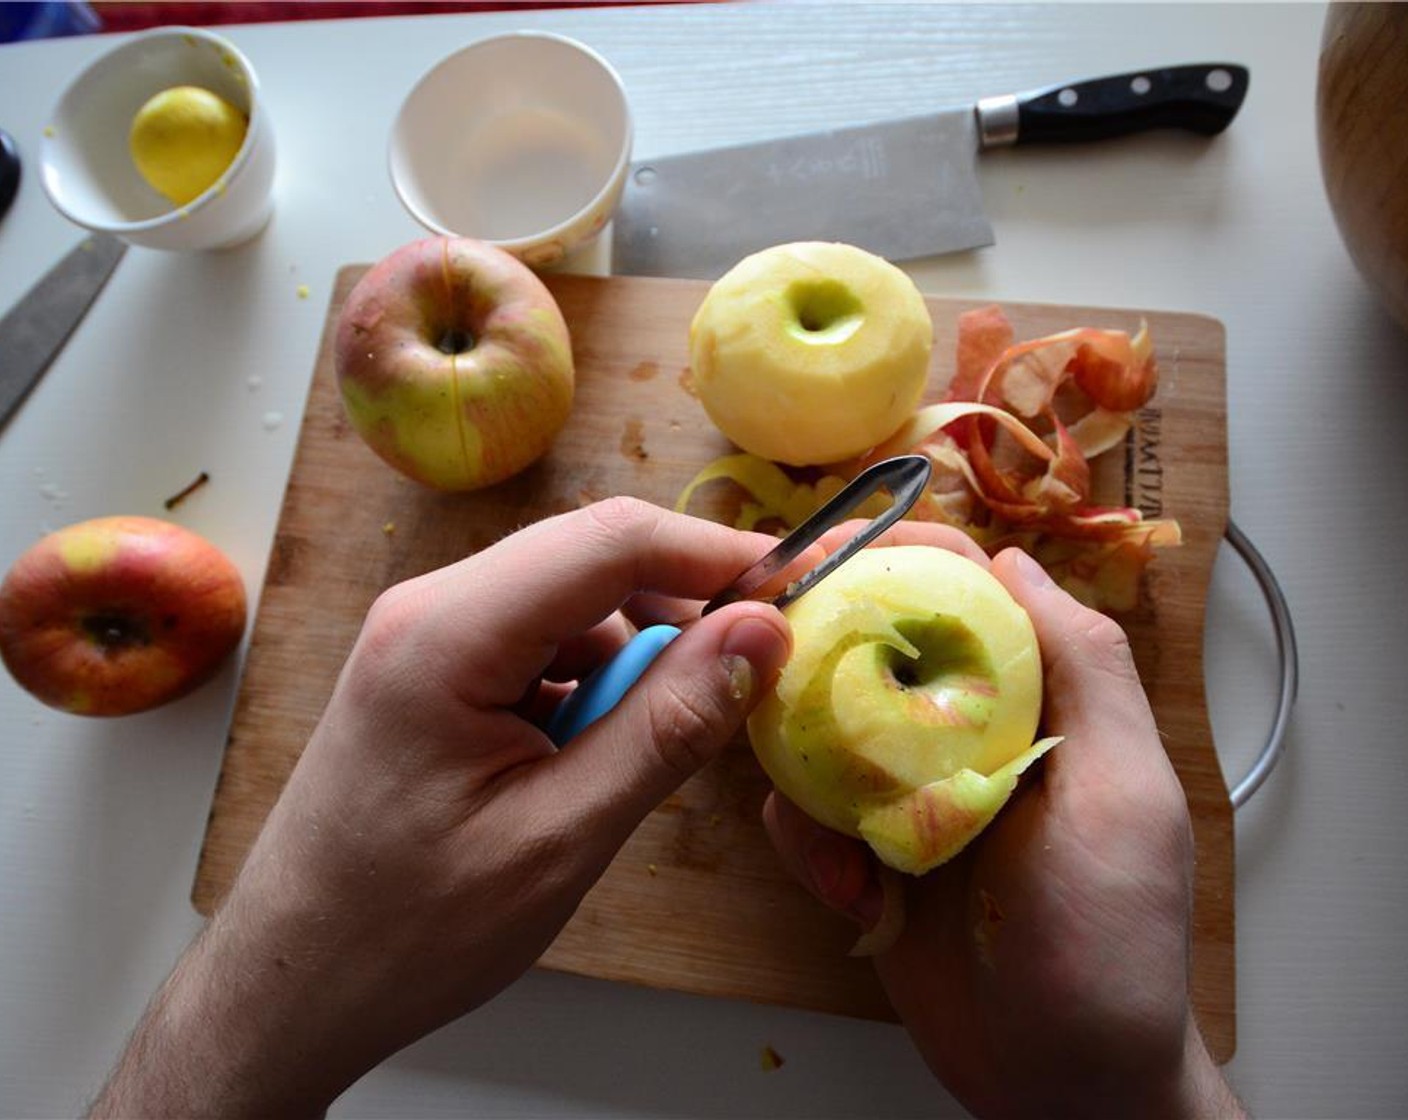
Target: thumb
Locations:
point(678, 716)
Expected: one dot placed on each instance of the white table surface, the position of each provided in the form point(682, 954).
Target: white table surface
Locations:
point(101, 821)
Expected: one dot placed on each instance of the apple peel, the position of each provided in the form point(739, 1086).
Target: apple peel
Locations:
point(773, 495)
point(1011, 444)
point(888, 927)
point(928, 827)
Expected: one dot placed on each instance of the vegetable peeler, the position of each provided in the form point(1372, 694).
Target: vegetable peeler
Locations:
point(905, 476)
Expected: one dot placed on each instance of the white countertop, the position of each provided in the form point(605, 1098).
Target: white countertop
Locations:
point(101, 821)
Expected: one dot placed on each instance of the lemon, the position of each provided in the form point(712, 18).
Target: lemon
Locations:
point(183, 139)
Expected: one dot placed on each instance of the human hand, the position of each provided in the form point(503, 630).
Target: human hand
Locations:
point(1044, 971)
point(431, 842)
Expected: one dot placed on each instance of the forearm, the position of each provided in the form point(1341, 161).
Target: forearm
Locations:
point(225, 1035)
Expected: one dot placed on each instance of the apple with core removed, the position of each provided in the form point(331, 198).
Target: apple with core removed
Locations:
point(119, 614)
point(908, 708)
point(811, 352)
point(454, 363)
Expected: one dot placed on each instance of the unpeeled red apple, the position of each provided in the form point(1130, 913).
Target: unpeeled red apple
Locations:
point(811, 352)
point(119, 614)
point(909, 706)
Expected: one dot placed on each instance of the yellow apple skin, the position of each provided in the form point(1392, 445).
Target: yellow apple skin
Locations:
point(811, 352)
point(908, 708)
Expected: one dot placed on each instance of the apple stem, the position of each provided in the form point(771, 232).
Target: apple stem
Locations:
point(180, 496)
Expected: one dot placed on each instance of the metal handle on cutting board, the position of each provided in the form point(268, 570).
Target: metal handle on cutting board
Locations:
point(1289, 661)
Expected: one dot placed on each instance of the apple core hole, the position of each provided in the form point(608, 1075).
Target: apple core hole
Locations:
point(114, 632)
point(950, 667)
point(454, 341)
point(906, 676)
point(824, 310)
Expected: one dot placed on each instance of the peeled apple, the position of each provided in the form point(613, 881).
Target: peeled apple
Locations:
point(811, 352)
point(909, 706)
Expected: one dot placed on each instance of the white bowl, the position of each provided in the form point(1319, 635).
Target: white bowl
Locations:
point(521, 140)
point(87, 169)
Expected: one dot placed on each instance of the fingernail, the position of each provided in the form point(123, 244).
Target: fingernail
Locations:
point(740, 676)
point(1031, 572)
point(753, 650)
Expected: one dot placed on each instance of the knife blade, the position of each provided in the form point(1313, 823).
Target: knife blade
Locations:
point(902, 188)
point(36, 329)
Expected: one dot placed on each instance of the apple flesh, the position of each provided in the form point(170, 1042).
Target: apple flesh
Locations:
point(811, 352)
point(454, 363)
point(908, 708)
point(119, 614)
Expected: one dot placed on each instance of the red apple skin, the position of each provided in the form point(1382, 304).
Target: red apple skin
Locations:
point(454, 420)
point(118, 615)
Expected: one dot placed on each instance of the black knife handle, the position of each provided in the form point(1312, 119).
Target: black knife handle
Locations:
point(1203, 98)
point(9, 170)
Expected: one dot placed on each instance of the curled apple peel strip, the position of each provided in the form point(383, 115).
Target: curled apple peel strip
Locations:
point(946, 816)
point(932, 824)
point(996, 477)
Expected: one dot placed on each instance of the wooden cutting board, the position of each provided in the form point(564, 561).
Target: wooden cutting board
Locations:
point(696, 900)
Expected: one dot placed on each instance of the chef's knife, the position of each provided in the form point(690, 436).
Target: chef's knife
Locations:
point(903, 189)
point(36, 328)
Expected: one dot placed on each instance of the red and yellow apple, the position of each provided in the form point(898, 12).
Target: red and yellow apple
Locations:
point(454, 363)
point(909, 705)
point(811, 352)
point(119, 614)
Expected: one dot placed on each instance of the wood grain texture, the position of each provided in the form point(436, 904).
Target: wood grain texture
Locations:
point(1362, 127)
point(696, 901)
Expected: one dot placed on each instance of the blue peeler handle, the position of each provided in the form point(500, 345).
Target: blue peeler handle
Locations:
point(603, 690)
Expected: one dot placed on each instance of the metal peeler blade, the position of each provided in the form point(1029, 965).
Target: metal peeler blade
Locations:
point(905, 476)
